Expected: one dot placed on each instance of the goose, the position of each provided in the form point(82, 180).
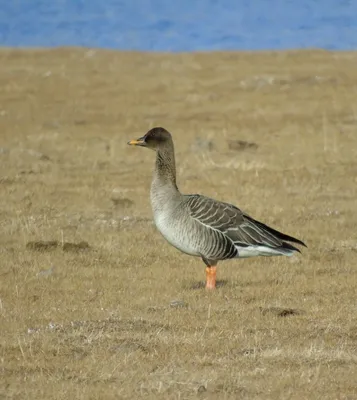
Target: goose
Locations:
point(201, 226)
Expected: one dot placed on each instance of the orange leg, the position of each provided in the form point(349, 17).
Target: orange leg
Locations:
point(211, 277)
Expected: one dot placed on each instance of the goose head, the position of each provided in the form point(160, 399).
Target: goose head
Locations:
point(155, 139)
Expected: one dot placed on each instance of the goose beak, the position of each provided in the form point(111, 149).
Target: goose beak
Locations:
point(137, 142)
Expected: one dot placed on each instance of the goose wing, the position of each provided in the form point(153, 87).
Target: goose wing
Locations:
point(239, 227)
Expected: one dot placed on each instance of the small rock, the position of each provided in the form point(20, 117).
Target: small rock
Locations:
point(42, 245)
point(178, 304)
point(201, 389)
point(52, 325)
point(31, 331)
point(248, 352)
point(122, 202)
point(155, 309)
point(80, 122)
point(239, 145)
point(75, 247)
point(46, 272)
point(279, 311)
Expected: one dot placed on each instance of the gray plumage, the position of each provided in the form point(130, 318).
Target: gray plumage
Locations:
point(201, 226)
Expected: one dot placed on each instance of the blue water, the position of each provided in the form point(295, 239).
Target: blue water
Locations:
point(182, 25)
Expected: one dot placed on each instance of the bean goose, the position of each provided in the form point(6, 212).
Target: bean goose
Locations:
point(201, 226)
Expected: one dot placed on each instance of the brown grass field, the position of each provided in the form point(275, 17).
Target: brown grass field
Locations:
point(127, 317)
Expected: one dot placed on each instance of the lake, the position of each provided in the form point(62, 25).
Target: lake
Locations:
point(159, 25)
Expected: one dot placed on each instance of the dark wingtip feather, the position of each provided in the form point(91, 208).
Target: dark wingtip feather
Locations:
point(288, 246)
point(279, 235)
point(292, 239)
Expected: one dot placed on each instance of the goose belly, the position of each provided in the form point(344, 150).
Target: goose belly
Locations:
point(175, 234)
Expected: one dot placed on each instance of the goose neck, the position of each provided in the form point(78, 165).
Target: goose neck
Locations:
point(165, 168)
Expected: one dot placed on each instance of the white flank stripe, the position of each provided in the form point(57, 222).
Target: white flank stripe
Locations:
point(253, 251)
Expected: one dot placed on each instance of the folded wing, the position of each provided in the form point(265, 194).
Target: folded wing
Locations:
point(239, 227)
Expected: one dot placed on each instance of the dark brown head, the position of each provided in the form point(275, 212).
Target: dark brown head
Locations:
point(156, 139)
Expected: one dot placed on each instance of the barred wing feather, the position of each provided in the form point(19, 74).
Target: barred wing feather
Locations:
point(239, 227)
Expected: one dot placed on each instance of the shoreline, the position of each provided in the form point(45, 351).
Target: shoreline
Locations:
point(263, 51)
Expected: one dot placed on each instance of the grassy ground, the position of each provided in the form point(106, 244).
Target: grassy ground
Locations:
point(127, 317)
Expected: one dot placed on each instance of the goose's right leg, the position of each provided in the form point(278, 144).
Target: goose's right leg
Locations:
point(211, 273)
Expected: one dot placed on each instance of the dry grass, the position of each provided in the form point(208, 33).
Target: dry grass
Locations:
point(99, 323)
